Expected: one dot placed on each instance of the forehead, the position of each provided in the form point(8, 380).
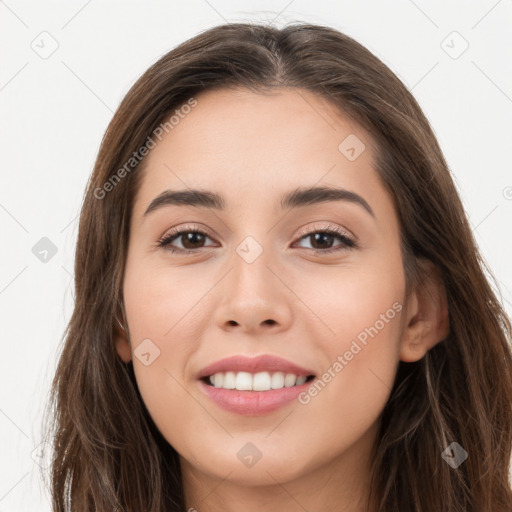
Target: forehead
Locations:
point(249, 146)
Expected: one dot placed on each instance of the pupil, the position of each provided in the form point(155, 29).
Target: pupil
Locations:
point(321, 236)
point(192, 238)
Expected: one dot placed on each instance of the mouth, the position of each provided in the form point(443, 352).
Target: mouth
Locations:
point(252, 400)
point(260, 381)
point(253, 386)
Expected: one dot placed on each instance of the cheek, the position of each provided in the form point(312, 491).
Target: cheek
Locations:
point(355, 303)
point(166, 306)
point(163, 303)
point(359, 339)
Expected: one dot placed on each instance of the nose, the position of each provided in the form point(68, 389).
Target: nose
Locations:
point(254, 297)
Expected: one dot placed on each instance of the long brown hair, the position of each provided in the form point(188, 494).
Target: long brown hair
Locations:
point(107, 453)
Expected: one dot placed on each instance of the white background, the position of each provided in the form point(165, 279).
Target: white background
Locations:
point(54, 111)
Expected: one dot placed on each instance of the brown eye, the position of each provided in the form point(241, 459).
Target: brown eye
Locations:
point(191, 240)
point(322, 240)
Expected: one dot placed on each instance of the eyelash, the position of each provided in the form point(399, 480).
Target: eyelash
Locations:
point(347, 242)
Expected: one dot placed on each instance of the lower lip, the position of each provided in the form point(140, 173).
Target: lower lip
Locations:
point(253, 403)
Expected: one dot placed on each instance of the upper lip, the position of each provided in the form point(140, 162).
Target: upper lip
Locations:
point(262, 363)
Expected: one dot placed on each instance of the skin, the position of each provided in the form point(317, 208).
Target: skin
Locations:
point(198, 308)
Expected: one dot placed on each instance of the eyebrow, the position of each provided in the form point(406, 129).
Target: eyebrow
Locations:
point(295, 199)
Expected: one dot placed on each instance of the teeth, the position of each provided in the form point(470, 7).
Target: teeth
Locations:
point(261, 381)
point(277, 381)
point(243, 381)
point(229, 380)
point(300, 380)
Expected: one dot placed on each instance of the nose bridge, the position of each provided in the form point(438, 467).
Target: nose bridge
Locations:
point(250, 277)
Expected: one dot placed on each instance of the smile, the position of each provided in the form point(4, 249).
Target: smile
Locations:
point(261, 381)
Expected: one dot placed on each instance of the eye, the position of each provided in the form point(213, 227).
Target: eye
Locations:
point(191, 238)
point(323, 237)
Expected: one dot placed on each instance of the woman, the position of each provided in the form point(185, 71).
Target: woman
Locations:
point(279, 301)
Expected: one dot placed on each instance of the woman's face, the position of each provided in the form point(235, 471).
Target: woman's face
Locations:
point(265, 280)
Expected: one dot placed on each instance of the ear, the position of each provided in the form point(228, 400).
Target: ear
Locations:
point(121, 340)
point(427, 321)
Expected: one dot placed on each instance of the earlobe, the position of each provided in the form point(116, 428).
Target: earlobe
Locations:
point(122, 342)
point(427, 321)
